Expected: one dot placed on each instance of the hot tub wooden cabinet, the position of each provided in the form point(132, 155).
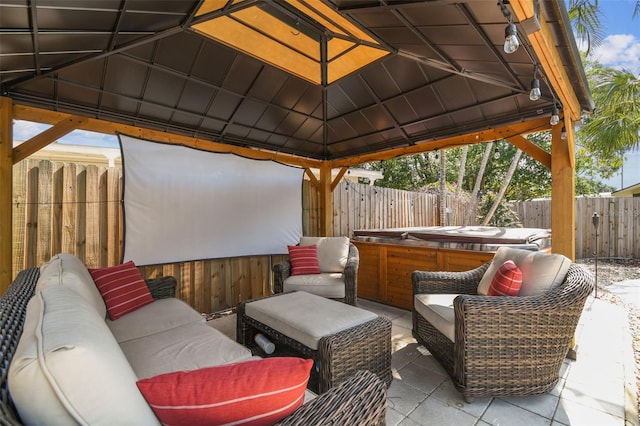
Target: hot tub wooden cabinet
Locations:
point(389, 256)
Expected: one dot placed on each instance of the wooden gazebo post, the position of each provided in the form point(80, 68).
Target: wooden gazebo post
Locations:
point(6, 192)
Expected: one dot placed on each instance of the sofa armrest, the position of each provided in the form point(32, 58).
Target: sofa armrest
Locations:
point(448, 282)
point(361, 400)
point(281, 271)
point(13, 310)
point(350, 275)
point(162, 287)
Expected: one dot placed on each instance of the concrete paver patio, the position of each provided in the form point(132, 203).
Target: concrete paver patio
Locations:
point(597, 389)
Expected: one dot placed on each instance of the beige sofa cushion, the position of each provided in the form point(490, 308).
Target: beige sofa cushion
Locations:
point(66, 270)
point(156, 317)
point(69, 369)
point(188, 347)
point(325, 284)
point(306, 317)
point(333, 252)
point(540, 271)
point(438, 310)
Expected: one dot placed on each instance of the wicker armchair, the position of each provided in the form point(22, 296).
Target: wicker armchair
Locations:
point(282, 270)
point(504, 346)
point(360, 400)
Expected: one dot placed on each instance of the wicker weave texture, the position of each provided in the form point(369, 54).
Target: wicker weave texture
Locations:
point(162, 287)
point(282, 271)
point(13, 309)
point(363, 347)
point(504, 346)
point(360, 401)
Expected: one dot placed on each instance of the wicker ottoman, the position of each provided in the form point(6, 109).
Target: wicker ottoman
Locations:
point(340, 338)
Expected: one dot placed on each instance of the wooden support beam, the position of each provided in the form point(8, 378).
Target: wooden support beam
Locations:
point(563, 193)
point(38, 115)
point(336, 181)
point(314, 180)
point(531, 149)
point(544, 46)
point(6, 193)
point(488, 135)
point(326, 201)
point(43, 139)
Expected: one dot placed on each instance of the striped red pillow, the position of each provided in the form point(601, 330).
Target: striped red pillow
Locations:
point(260, 392)
point(304, 260)
point(506, 281)
point(122, 288)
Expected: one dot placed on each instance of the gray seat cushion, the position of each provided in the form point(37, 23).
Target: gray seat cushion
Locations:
point(306, 317)
point(438, 310)
point(156, 317)
point(184, 348)
point(324, 284)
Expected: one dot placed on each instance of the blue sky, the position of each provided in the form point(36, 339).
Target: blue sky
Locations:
point(620, 49)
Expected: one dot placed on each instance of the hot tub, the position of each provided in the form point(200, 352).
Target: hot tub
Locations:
point(389, 256)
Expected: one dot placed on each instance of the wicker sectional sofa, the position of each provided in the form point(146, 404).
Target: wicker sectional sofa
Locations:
point(93, 364)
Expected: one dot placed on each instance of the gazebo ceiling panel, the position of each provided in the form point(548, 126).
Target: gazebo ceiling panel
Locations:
point(439, 70)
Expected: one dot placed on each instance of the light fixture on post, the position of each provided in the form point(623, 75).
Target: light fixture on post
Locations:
point(563, 134)
point(511, 42)
point(555, 117)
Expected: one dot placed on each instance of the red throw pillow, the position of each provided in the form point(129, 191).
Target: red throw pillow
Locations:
point(304, 260)
point(259, 392)
point(506, 281)
point(122, 288)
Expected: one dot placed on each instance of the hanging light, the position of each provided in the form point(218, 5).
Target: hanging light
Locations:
point(511, 42)
point(535, 93)
point(555, 118)
point(563, 134)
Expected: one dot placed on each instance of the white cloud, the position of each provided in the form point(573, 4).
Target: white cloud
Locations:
point(25, 130)
point(620, 51)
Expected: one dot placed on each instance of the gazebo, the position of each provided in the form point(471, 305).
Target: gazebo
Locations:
point(319, 84)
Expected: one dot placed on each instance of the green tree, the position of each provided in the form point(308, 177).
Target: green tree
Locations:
point(614, 128)
point(585, 17)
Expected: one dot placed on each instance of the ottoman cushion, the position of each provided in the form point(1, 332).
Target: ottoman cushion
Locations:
point(306, 317)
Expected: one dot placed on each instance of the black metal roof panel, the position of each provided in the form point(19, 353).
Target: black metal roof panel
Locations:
point(138, 62)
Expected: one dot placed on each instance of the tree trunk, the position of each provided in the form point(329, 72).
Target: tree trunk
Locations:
point(503, 187)
point(471, 213)
point(463, 165)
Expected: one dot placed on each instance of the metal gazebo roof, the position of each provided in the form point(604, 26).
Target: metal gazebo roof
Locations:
point(437, 70)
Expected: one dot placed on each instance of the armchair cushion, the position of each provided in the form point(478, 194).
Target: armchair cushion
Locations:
point(333, 252)
point(507, 280)
point(304, 260)
point(540, 271)
point(324, 284)
point(438, 310)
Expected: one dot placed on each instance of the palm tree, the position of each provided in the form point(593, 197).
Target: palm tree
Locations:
point(585, 16)
point(615, 126)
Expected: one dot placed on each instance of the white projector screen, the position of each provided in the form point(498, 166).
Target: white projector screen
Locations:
point(183, 204)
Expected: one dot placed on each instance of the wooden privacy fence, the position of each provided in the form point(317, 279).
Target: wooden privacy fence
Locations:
point(74, 208)
point(618, 230)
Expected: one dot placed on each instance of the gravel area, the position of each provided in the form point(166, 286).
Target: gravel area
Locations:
point(612, 271)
